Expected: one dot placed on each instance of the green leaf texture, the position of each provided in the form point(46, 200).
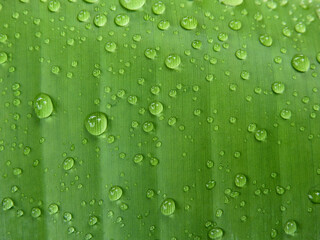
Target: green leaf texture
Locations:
point(212, 111)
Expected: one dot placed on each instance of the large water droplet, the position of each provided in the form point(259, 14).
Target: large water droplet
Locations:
point(265, 40)
point(110, 47)
point(158, 8)
point(54, 6)
point(96, 123)
point(100, 20)
point(290, 227)
point(261, 135)
point(241, 54)
point(231, 2)
point(150, 53)
point(35, 212)
point(132, 4)
point(122, 20)
point(83, 15)
point(148, 126)
point(189, 22)
point(240, 180)
point(163, 25)
point(278, 87)
point(156, 108)
point(285, 114)
point(173, 61)
point(115, 193)
point(215, 233)
point(53, 208)
point(314, 196)
point(43, 106)
point(168, 207)
point(68, 163)
point(300, 62)
point(235, 25)
point(7, 203)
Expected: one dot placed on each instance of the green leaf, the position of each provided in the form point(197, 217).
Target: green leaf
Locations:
point(162, 120)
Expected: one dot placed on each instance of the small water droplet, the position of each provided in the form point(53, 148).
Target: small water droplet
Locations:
point(265, 40)
point(290, 227)
point(110, 47)
point(115, 193)
point(278, 87)
point(163, 25)
point(122, 20)
point(147, 126)
point(100, 20)
point(173, 61)
point(240, 180)
point(53, 208)
point(215, 233)
point(235, 25)
point(314, 196)
point(83, 16)
point(68, 163)
point(7, 203)
point(156, 108)
point(150, 53)
point(3, 57)
point(261, 135)
point(158, 8)
point(35, 212)
point(168, 207)
point(92, 220)
point(285, 114)
point(54, 6)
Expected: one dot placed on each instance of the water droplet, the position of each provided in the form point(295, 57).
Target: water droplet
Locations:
point(290, 227)
point(215, 233)
point(150, 53)
point(300, 27)
point(300, 62)
point(172, 121)
point(35, 212)
point(83, 15)
point(210, 184)
point(273, 233)
point(53, 208)
point(156, 108)
point(168, 207)
point(68, 163)
point(100, 20)
point(173, 61)
point(235, 25)
point(132, 4)
point(148, 126)
point(240, 180)
point(241, 54)
point(92, 220)
point(222, 37)
point(115, 193)
point(278, 87)
point(67, 216)
point(265, 40)
point(110, 46)
point(252, 127)
point(3, 57)
point(150, 193)
point(189, 22)
point(138, 158)
point(196, 44)
point(158, 8)
point(314, 196)
point(122, 20)
point(96, 123)
point(91, 1)
point(132, 99)
point(285, 114)
point(163, 24)
point(261, 135)
point(43, 106)
point(7, 203)
point(54, 6)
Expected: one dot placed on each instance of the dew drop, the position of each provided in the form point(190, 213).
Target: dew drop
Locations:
point(265, 40)
point(300, 62)
point(43, 106)
point(92, 220)
point(122, 20)
point(215, 233)
point(7, 203)
point(285, 114)
point(3, 57)
point(278, 87)
point(235, 25)
point(53, 208)
point(290, 227)
point(173, 61)
point(168, 207)
point(240, 180)
point(35, 212)
point(100, 20)
point(147, 126)
point(54, 6)
point(261, 135)
point(68, 163)
point(110, 47)
point(156, 108)
point(314, 196)
point(115, 193)
point(300, 27)
point(196, 44)
point(158, 8)
point(163, 25)
point(150, 53)
point(241, 54)
point(132, 4)
point(83, 16)
point(189, 22)
point(96, 123)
